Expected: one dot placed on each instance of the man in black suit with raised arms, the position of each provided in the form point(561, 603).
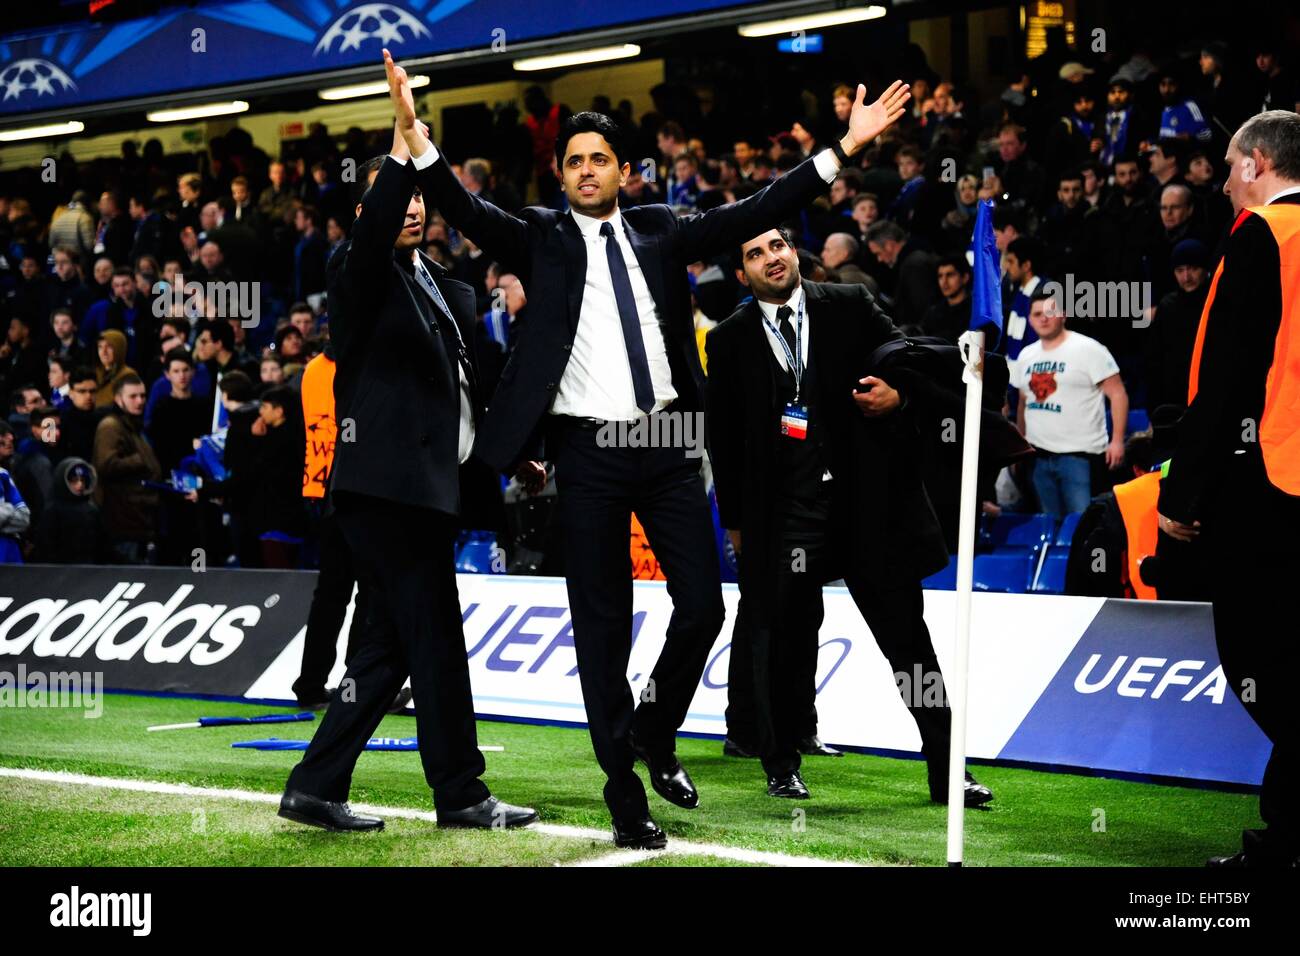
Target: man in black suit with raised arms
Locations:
point(610, 339)
point(405, 400)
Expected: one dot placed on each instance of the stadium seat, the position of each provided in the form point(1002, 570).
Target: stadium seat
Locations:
point(1029, 531)
point(1009, 572)
point(475, 552)
point(1065, 533)
point(1051, 577)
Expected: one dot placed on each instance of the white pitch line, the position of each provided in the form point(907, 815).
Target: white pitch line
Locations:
point(619, 858)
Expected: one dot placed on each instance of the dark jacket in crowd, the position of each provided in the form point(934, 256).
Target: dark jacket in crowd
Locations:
point(174, 425)
point(124, 461)
point(71, 530)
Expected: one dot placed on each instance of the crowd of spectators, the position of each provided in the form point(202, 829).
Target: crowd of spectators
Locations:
point(121, 391)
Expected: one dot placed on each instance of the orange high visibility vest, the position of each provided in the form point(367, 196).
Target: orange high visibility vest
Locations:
point(1279, 427)
point(1137, 506)
point(318, 416)
point(645, 566)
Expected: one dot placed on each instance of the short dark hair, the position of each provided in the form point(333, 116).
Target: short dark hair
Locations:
point(62, 361)
point(130, 378)
point(591, 122)
point(221, 332)
point(673, 130)
point(63, 310)
point(362, 185)
point(739, 261)
point(1070, 175)
point(1027, 249)
point(177, 355)
point(177, 322)
point(237, 387)
point(882, 230)
point(82, 373)
point(957, 260)
point(300, 307)
point(39, 415)
point(281, 396)
point(1043, 294)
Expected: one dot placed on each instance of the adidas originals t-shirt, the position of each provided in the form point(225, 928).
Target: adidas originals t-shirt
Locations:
point(1065, 410)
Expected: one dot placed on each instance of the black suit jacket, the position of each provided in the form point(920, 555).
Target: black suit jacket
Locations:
point(397, 381)
point(881, 515)
point(545, 249)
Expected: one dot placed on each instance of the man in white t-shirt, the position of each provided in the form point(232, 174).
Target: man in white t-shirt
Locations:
point(1062, 380)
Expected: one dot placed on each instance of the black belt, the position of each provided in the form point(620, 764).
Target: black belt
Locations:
point(595, 424)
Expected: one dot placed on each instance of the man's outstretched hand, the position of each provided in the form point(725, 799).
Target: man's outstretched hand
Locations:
point(868, 122)
point(399, 91)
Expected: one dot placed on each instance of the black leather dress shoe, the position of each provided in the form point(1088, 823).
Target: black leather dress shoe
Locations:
point(315, 812)
point(668, 777)
point(316, 700)
point(1238, 860)
point(639, 833)
point(399, 703)
point(976, 794)
point(787, 785)
point(733, 748)
point(813, 747)
point(489, 814)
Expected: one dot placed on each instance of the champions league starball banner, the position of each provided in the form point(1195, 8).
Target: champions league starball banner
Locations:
point(223, 43)
point(1130, 687)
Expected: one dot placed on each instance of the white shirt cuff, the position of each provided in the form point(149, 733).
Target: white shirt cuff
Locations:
point(828, 167)
point(427, 158)
point(424, 160)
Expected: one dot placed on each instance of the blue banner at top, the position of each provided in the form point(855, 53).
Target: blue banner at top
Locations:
point(225, 43)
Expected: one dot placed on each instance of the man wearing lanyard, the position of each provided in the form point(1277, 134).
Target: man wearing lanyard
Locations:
point(816, 469)
point(610, 339)
point(404, 388)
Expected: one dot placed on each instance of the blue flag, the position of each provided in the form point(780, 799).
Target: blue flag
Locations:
point(986, 277)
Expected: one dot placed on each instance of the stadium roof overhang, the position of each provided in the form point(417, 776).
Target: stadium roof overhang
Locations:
point(483, 62)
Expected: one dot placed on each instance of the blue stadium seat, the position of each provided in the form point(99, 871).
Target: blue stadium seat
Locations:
point(1065, 533)
point(1051, 579)
point(1009, 571)
point(1027, 531)
point(1138, 421)
point(945, 580)
point(475, 551)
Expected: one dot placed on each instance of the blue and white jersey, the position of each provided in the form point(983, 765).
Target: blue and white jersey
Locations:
point(1184, 119)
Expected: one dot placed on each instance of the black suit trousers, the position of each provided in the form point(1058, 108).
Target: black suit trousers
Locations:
point(785, 655)
point(1250, 540)
point(599, 489)
point(404, 560)
point(329, 606)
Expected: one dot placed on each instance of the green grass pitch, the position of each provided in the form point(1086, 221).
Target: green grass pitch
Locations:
point(865, 809)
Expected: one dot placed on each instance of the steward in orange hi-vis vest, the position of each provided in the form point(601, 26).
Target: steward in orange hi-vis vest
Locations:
point(318, 416)
point(1234, 475)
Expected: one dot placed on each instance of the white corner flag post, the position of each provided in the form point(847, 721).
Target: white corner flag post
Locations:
point(986, 310)
point(971, 344)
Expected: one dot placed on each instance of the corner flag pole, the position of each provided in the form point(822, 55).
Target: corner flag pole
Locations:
point(986, 310)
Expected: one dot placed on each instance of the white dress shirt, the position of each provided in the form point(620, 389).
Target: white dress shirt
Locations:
point(465, 443)
point(597, 381)
point(774, 339)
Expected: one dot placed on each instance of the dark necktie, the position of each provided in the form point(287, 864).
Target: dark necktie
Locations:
point(628, 316)
point(787, 332)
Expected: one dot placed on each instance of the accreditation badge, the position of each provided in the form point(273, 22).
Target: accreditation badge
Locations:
point(794, 421)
